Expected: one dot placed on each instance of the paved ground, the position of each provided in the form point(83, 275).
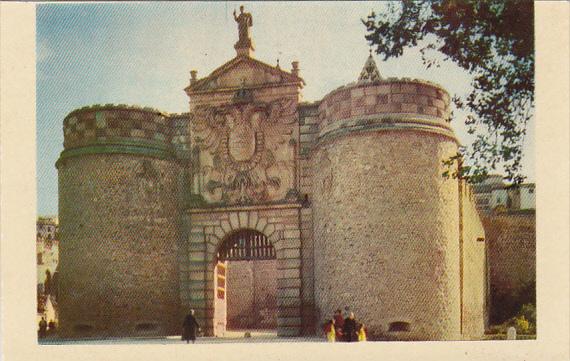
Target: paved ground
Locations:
point(230, 337)
point(234, 336)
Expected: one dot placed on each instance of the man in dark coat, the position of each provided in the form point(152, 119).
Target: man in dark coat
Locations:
point(190, 327)
point(349, 329)
point(43, 328)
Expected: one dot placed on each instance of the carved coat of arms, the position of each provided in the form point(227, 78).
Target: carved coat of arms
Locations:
point(245, 151)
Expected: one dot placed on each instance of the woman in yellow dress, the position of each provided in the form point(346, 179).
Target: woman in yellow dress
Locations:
point(330, 331)
point(361, 333)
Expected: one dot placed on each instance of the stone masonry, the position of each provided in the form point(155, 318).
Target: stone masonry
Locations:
point(348, 191)
point(252, 294)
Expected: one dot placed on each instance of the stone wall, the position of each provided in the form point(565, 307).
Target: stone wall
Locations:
point(474, 267)
point(251, 294)
point(388, 249)
point(119, 217)
point(309, 128)
point(511, 242)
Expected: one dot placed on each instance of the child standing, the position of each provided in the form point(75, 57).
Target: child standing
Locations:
point(361, 333)
point(330, 331)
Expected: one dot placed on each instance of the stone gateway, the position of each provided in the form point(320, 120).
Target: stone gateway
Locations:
point(345, 195)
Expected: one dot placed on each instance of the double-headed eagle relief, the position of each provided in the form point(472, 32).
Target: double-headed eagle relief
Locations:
point(244, 152)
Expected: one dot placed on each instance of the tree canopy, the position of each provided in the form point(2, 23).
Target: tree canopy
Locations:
point(491, 39)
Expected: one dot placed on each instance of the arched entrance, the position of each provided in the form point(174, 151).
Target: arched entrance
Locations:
point(209, 234)
point(245, 283)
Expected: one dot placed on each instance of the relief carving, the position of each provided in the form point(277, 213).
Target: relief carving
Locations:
point(245, 151)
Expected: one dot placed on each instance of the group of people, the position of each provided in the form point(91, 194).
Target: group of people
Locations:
point(344, 329)
point(336, 329)
point(45, 327)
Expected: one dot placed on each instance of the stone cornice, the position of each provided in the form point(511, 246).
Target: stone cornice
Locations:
point(249, 87)
point(116, 148)
point(386, 123)
point(237, 208)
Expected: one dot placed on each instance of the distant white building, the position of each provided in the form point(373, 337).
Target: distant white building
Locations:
point(47, 252)
point(527, 196)
point(47, 249)
point(499, 197)
point(493, 194)
point(46, 227)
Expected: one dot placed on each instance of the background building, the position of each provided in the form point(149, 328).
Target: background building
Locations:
point(47, 249)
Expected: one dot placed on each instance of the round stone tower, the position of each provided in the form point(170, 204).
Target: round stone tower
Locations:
point(386, 221)
point(119, 223)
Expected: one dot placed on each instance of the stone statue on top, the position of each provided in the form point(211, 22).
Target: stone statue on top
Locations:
point(244, 20)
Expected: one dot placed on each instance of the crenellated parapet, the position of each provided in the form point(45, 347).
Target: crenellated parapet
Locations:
point(386, 104)
point(112, 129)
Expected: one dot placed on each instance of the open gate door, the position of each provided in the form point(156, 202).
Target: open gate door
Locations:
point(220, 297)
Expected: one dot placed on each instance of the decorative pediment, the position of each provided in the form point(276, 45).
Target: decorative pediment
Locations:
point(243, 71)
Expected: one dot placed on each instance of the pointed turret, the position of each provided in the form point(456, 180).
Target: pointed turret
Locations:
point(370, 71)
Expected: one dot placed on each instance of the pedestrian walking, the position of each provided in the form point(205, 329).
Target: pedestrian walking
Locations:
point(190, 328)
point(349, 329)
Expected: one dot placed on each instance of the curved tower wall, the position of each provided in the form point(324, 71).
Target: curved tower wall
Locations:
point(386, 221)
point(119, 222)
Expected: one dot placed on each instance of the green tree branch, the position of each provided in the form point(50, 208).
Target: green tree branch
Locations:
point(494, 41)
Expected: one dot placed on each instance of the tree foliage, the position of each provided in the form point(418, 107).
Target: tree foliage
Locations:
point(491, 39)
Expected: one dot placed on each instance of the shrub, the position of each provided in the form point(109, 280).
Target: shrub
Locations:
point(528, 310)
point(508, 303)
point(524, 322)
point(521, 324)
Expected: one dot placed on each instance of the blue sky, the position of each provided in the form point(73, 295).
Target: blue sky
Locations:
point(142, 53)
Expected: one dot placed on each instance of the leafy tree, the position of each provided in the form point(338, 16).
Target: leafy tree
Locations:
point(491, 39)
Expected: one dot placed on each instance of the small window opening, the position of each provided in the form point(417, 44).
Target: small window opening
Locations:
point(399, 326)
